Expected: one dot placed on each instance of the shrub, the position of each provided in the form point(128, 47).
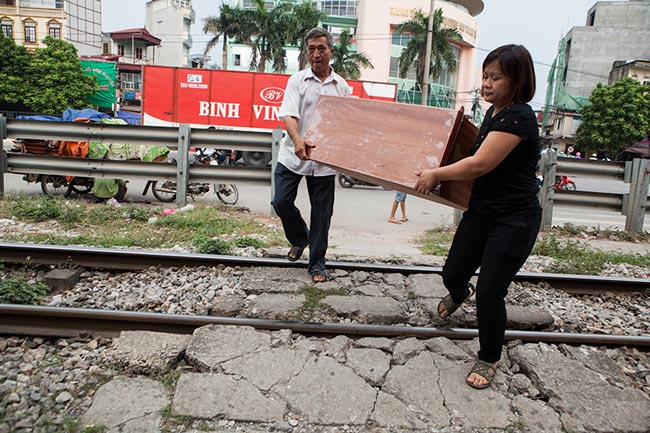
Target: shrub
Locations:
point(18, 291)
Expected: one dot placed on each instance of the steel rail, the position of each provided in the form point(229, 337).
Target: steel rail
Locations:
point(72, 322)
point(126, 259)
point(238, 139)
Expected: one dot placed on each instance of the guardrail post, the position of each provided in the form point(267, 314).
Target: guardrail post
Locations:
point(638, 198)
point(548, 165)
point(183, 164)
point(3, 154)
point(276, 136)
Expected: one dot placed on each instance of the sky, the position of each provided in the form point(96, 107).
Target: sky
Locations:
point(538, 25)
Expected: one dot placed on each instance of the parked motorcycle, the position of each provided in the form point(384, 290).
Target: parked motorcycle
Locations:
point(347, 181)
point(226, 193)
point(564, 183)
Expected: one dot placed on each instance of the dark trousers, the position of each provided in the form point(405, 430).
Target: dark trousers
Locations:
point(321, 198)
point(500, 247)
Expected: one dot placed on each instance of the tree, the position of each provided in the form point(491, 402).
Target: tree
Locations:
point(617, 116)
point(306, 17)
point(55, 79)
point(346, 62)
point(14, 61)
point(442, 54)
point(266, 32)
point(228, 24)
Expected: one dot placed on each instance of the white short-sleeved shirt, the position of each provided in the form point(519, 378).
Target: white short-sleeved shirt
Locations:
point(300, 97)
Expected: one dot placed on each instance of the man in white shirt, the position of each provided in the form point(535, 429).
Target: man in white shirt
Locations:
point(300, 97)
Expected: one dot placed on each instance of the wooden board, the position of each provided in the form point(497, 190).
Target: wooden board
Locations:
point(385, 143)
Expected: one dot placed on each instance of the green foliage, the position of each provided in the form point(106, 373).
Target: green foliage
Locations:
point(577, 258)
point(212, 246)
point(248, 241)
point(43, 209)
point(14, 61)
point(16, 290)
point(618, 116)
point(442, 55)
point(265, 31)
point(56, 80)
point(345, 61)
point(436, 241)
point(314, 295)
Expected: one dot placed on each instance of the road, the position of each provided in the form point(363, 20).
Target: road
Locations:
point(360, 226)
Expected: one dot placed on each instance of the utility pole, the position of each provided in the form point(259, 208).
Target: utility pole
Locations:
point(427, 57)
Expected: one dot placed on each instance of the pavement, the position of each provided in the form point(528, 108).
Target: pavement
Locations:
point(227, 378)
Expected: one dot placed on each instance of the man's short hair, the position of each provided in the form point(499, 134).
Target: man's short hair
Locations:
point(318, 32)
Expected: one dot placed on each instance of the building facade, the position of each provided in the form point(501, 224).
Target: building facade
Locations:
point(371, 23)
point(27, 22)
point(614, 30)
point(170, 20)
point(636, 69)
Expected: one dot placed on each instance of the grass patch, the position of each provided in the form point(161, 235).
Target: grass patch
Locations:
point(577, 258)
point(314, 296)
point(16, 290)
point(128, 226)
point(437, 241)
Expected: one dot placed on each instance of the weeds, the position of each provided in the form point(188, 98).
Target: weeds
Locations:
point(16, 290)
point(437, 241)
point(314, 296)
point(129, 226)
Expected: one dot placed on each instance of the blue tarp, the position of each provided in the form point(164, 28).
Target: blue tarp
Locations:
point(129, 117)
point(48, 118)
point(70, 115)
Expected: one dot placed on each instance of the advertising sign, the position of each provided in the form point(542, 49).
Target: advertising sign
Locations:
point(106, 73)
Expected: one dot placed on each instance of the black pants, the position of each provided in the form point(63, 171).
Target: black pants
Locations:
point(500, 247)
point(321, 198)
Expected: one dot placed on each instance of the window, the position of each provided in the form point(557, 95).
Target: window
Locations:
point(106, 48)
point(237, 59)
point(30, 32)
point(54, 30)
point(401, 39)
point(7, 28)
point(138, 53)
point(120, 50)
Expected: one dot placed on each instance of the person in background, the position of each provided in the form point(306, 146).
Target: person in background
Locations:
point(498, 231)
point(400, 199)
point(301, 95)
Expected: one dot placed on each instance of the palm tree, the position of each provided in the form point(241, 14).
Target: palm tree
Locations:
point(306, 17)
point(442, 54)
point(269, 35)
point(229, 24)
point(346, 62)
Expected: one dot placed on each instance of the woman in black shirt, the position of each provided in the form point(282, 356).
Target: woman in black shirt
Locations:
point(498, 231)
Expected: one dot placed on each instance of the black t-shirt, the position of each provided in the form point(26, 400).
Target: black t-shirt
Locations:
point(511, 187)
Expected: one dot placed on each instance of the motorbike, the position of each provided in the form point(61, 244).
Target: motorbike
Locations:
point(347, 181)
point(226, 193)
point(564, 183)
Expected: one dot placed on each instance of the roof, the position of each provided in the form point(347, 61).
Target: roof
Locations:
point(139, 34)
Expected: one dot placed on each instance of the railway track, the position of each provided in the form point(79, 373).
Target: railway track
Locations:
point(73, 322)
point(77, 322)
point(116, 259)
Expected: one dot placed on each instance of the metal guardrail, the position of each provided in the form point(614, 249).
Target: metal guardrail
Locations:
point(633, 204)
point(176, 138)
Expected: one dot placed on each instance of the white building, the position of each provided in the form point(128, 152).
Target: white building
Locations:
point(170, 20)
point(371, 22)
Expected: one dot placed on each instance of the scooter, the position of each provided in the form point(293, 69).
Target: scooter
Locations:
point(347, 181)
point(226, 193)
point(564, 183)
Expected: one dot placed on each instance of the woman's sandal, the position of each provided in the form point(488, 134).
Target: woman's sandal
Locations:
point(319, 275)
point(295, 253)
point(450, 306)
point(483, 369)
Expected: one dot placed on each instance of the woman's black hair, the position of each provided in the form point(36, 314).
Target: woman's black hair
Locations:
point(516, 64)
